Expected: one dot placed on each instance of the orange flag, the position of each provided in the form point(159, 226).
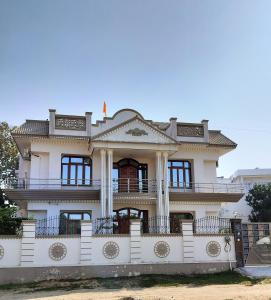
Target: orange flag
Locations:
point(104, 109)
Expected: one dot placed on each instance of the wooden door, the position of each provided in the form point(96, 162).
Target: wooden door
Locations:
point(128, 179)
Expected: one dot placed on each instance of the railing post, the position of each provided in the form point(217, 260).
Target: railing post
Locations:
point(135, 241)
point(86, 242)
point(28, 242)
point(188, 241)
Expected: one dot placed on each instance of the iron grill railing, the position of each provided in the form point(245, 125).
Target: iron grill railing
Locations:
point(58, 225)
point(161, 225)
point(212, 225)
point(111, 225)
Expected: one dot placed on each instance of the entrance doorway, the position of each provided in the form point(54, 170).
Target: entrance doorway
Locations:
point(131, 176)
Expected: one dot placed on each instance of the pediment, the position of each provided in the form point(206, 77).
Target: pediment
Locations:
point(134, 130)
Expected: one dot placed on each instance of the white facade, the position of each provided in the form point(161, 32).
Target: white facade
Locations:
point(125, 136)
point(247, 178)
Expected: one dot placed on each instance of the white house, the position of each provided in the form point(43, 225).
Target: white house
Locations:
point(247, 178)
point(121, 166)
point(134, 195)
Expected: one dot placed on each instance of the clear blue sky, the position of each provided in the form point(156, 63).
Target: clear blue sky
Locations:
point(189, 59)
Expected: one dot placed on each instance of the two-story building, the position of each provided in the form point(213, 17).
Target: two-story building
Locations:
point(123, 166)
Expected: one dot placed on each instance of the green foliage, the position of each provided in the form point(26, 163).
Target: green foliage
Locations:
point(9, 224)
point(259, 198)
point(9, 157)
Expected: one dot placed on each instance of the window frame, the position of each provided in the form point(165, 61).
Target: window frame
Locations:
point(180, 184)
point(76, 164)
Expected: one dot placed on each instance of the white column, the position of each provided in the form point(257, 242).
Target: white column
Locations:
point(159, 211)
point(28, 243)
point(109, 182)
point(103, 184)
point(188, 241)
point(166, 192)
point(86, 242)
point(135, 241)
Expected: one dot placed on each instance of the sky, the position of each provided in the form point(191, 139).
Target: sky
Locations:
point(190, 59)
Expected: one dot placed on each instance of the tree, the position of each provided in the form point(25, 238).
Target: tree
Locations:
point(9, 157)
point(259, 199)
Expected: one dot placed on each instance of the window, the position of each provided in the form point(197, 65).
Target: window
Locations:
point(179, 173)
point(76, 170)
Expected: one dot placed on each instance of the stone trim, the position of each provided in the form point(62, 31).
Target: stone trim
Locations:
point(162, 235)
point(58, 236)
point(110, 235)
point(10, 237)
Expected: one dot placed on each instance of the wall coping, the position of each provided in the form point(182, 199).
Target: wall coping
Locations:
point(29, 222)
point(58, 236)
point(10, 237)
point(162, 235)
point(110, 235)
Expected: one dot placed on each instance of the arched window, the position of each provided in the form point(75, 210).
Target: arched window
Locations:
point(76, 170)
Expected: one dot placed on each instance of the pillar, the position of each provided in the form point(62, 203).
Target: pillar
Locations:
point(135, 241)
point(86, 242)
point(109, 182)
point(236, 226)
point(166, 192)
point(188, 241)
point(159, 207)
point(103, 183)
point(28, 243)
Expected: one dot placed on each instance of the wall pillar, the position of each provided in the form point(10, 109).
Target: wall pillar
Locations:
point(86, 242)
point(109, 182)
point(135, 241)
point(103, 183)
point(188, 241)
point(236, 225)
point(28, 243)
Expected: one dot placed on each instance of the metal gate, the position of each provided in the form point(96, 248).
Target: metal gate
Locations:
point(253, 252)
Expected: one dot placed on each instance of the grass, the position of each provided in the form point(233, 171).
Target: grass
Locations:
point(142, 281)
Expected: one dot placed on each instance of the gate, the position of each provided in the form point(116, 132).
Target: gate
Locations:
point(256, 253)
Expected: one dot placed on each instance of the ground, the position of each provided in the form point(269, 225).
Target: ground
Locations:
point(223, 286)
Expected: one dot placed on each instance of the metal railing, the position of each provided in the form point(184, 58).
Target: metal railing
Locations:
point(57, 225)
point(161, 225)
point(212, 225)
point(123, 185)
point(111, 225)
point(50, 184)
point(134, 185)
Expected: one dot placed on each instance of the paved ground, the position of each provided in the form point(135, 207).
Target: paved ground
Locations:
point(213, 292)
point(257, 271)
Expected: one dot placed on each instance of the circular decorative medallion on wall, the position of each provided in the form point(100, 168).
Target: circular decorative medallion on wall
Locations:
point(161, 249)
point(213, 248)
point(57, 251)
point(111, 250)
point(2, 251)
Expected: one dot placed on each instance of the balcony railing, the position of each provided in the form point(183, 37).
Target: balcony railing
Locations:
point(123, 185)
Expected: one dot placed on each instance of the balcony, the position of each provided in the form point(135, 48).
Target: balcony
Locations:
point(51, 189)
point(122, 185)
